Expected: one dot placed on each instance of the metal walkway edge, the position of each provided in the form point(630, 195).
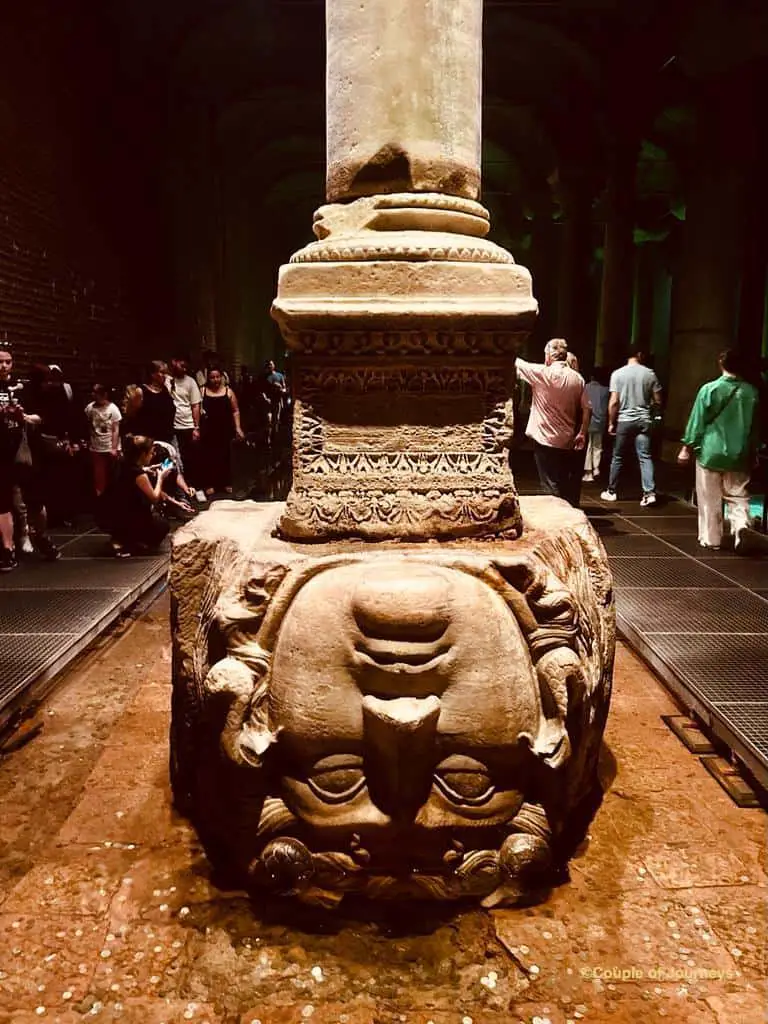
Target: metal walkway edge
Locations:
point(698, 618)
point(51, 612)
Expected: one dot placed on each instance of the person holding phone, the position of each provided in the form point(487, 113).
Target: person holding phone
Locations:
point(128, 507)
point(174, 496)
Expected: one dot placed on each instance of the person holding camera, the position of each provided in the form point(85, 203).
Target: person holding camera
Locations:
point(128, 507)
point(19, 432)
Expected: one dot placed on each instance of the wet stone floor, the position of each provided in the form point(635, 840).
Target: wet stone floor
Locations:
point(108, 911)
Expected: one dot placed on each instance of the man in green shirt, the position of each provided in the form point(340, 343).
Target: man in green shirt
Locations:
point(722, 433)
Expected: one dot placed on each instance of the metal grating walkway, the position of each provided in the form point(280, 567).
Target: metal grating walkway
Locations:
point(49, 613)
point(699, 618)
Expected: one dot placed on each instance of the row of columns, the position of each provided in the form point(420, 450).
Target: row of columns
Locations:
point(711, 309)
point(719, 280)
point(713, 293)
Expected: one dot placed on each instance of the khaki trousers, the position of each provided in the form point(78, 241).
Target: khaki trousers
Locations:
point(712, 489)
point(594, 454)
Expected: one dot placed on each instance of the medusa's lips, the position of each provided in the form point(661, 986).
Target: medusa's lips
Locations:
point(402, 656)
point(403, 625)
point(398, 668)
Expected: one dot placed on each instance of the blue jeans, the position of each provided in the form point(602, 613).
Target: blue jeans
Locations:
point(626, 433)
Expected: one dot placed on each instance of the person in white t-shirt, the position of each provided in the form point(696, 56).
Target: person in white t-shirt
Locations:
point(186, 423)
point(103, 436)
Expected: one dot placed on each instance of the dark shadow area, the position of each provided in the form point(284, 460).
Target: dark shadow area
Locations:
point(167, 159)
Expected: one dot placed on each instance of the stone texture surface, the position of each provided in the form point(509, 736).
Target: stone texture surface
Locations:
point(402, 345)
point(400, 451)
point(183, 949)
point(403, 91)
point(390, 719)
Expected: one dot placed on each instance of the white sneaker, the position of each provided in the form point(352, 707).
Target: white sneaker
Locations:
point(587, 478)
point(746, 540)
point(26, 545)
point(648, 499)
point(608, 496)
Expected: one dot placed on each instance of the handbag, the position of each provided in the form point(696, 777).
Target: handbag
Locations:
point(23, 452)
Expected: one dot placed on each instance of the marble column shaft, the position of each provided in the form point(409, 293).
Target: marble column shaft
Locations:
point(404, 93)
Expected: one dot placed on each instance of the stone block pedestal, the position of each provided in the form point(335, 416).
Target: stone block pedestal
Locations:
point(390, 719)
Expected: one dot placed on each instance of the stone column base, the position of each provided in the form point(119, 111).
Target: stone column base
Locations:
point(402, 322)
point(396, 720)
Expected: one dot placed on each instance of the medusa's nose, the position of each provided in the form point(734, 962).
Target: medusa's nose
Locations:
point(400, 752)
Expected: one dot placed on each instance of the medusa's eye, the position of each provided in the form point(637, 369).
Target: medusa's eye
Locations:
point(337, 778)
point(464, 780)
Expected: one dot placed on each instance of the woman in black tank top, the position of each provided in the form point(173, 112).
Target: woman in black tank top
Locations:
point(219, 424)
point(157, 411)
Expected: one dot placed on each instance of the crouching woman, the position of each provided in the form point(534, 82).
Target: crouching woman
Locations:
point(128, 509)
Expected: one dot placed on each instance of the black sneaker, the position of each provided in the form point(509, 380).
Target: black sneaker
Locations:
point(46, 549)
point(7, 560)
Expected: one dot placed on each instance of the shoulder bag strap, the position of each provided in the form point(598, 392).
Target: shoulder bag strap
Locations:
point(724, 406)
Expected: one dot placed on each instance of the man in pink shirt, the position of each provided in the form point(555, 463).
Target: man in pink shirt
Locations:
point(559, 419)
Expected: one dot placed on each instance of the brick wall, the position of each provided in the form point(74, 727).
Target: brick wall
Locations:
point(61, 298)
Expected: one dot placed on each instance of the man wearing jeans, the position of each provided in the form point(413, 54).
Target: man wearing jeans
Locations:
point(558, 421)
point(635, 390)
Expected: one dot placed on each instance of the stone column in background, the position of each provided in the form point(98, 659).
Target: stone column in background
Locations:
point(615, 319)
point(575, 315)
point(705, 298)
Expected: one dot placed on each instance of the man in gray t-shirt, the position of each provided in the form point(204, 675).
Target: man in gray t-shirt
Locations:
point(635, 391)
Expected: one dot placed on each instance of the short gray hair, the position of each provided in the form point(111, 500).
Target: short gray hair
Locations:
point(556, 348)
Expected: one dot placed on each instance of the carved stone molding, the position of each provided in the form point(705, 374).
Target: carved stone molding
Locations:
point(416, 379)
point(408, 449)
point(414, 226)
point(430, 247)
point(421, 214)
point(335, 511)
point(406, 342)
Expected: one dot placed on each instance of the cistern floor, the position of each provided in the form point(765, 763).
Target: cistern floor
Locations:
point(50, 612)
point(698, 617)
point(108, 912)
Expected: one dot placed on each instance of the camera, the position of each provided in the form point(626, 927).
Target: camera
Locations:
point(10, 409)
